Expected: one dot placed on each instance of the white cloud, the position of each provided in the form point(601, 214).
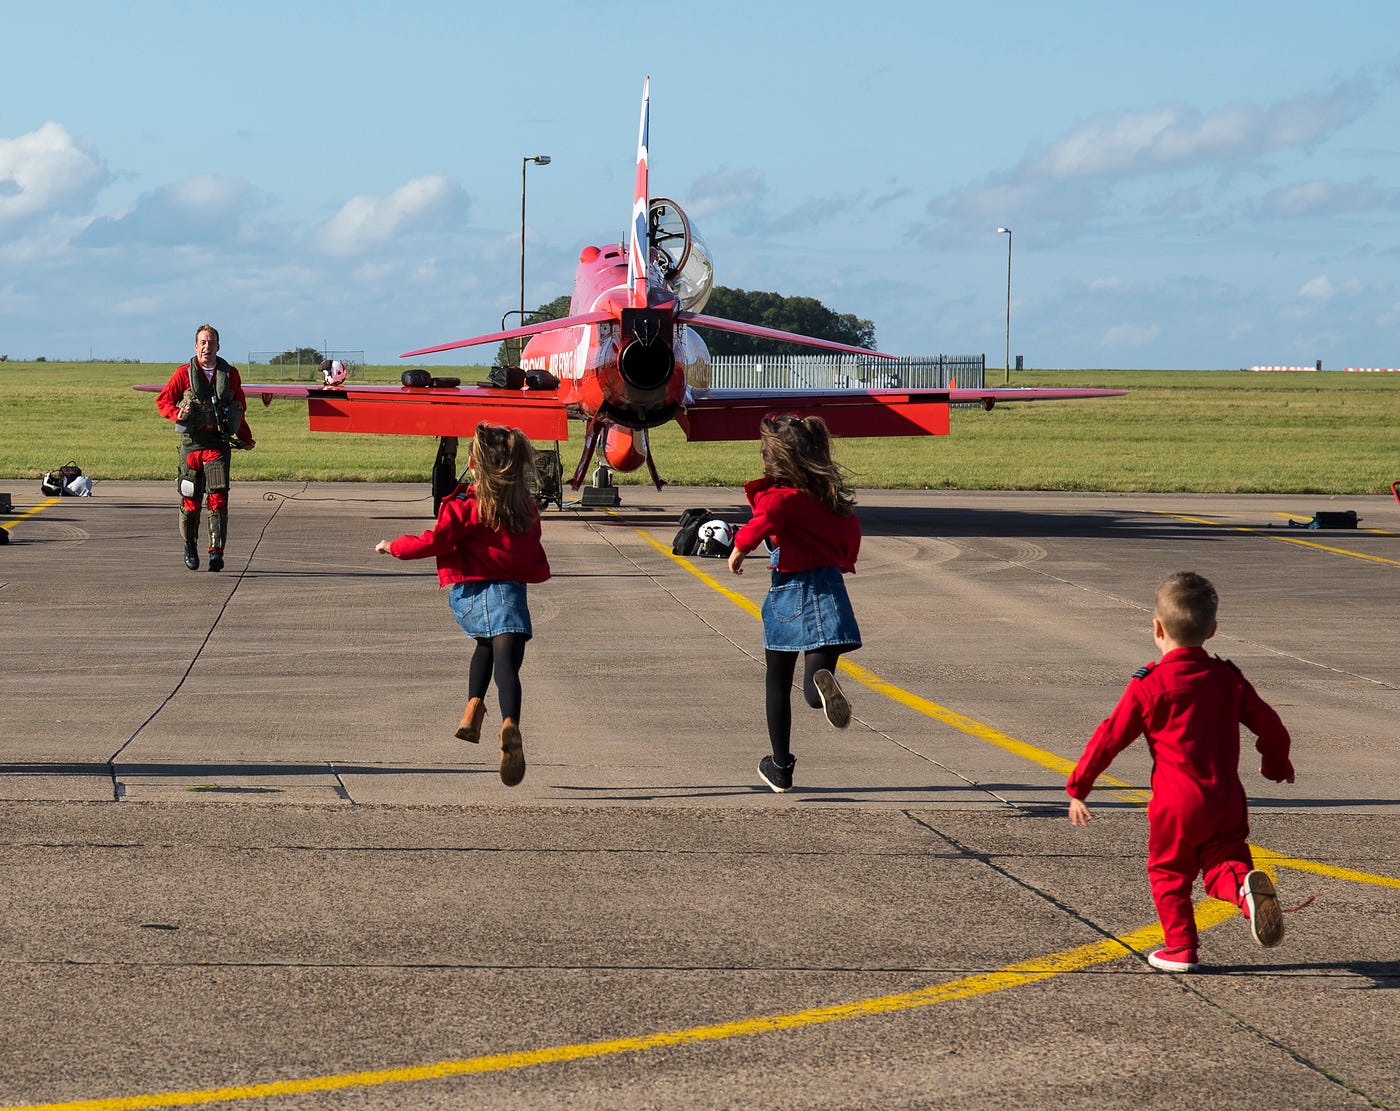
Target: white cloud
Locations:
point(1175, 136)
point(1318, 289)
point(201, 210)
point(1315, 198)
point(719, 192)
point(365, 222)
point(47, 172)
point(1078, 180)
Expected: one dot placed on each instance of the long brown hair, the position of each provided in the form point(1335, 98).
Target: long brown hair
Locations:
point(503, 460)
point(796, 451)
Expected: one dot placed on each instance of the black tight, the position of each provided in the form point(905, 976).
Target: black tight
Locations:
point(777, 692)
point(501, 655)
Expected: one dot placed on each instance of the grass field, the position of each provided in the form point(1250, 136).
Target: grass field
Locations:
point(1202, 431)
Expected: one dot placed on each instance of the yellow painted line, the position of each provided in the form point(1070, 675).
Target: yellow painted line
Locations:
point(987, 733)
point(1025, 751)
point(948, 716)
point(1209, 913)
point(1273, 536)
point(43, 505)
point(709, 580)
point(1269, 858)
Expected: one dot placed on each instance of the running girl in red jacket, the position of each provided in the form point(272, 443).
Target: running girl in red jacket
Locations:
point(487, 544)
point(803, 506)
point(1190, 705)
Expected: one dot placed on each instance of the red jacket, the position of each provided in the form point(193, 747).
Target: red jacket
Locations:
point(1190, 705)
point(808, 534)
point(168, 400)
point(469, 551)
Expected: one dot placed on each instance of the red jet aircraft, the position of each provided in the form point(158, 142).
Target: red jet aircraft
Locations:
point(626, 359)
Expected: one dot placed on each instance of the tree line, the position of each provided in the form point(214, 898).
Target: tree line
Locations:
point(804, 315)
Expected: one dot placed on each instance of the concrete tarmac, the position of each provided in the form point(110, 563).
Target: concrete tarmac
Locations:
point(244, 858)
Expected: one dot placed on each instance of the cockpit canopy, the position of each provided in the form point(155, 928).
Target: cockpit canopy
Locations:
point(680, 251)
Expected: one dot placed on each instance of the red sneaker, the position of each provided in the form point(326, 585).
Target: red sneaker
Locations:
point(1173, 960)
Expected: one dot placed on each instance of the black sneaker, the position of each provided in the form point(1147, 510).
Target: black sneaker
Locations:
point(779, 778)
point(191, 556)
point(216, 561)
point(834, 704)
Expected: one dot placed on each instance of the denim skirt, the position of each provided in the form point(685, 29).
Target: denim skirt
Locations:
point(488, 609)
point(809, 609)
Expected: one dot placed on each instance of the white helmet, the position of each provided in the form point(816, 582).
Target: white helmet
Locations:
point(716, 538)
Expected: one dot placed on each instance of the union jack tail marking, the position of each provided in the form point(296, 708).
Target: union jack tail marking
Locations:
point(637, 248)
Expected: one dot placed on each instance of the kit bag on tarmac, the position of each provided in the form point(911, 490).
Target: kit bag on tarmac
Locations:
point(66, 480)
point(687, 538)
point(703, 534)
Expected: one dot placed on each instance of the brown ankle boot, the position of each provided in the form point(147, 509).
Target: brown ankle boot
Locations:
point(512, 754)
point(469, 729)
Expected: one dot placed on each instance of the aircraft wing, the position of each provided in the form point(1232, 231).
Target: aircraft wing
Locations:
point(418, 411)
point(735, 414)
point(719, 323)
point(558, 325)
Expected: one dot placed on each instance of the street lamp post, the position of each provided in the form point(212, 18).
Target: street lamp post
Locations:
point(538, 160)
point(1006, 373)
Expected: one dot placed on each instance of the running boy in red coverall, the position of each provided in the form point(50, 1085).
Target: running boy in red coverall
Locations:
point(1190, 705)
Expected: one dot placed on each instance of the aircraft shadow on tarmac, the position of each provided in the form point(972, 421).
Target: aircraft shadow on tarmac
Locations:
point(931, 521)
point(915, 521)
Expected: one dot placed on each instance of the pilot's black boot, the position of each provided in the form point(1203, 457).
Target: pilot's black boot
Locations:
point(218, 526)
point(189, 533)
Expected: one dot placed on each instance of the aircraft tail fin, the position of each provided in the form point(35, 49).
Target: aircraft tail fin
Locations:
point(637, 248)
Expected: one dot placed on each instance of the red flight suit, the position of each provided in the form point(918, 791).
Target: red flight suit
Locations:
point(1190, 706)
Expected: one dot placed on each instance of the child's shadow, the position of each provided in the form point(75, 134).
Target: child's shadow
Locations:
point(1381, 974)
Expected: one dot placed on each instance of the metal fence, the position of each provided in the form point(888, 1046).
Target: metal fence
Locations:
point(292, 368)
point(797, 372)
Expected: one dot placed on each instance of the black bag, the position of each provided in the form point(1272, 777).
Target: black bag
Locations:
point(1345, 518)
point(504, 378)
point(687, 539)
point(55, 483)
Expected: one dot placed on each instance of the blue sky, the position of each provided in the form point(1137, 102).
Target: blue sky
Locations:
point(1188, 185)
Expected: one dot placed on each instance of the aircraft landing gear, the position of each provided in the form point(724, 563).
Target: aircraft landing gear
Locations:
point(444, 470)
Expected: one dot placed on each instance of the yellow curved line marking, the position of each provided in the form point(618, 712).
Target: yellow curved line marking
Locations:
point(1209, 913)
point(1271, 536)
